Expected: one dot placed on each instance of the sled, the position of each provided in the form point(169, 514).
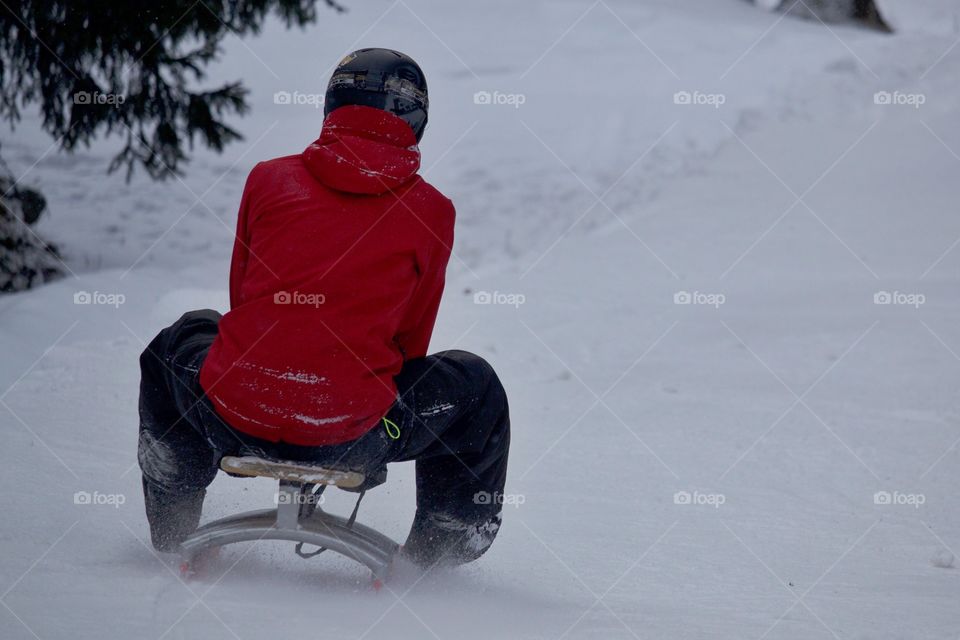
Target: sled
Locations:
point(297, 518)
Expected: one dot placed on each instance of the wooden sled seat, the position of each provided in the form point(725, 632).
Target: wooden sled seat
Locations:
point(290, 471)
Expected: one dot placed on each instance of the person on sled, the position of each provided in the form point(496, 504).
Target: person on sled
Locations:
point(335, 281)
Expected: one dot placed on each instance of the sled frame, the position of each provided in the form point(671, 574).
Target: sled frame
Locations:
point(297, 517)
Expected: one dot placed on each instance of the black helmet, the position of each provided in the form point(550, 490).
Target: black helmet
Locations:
point(384, 79)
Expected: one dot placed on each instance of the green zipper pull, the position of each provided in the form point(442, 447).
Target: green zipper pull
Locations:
point(392, 429)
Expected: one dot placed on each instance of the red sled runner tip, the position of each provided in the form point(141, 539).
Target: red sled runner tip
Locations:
point(198, 565)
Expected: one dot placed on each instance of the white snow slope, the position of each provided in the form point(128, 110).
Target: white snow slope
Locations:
point(785, 412)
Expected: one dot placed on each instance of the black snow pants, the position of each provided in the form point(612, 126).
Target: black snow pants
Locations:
point(451, 414)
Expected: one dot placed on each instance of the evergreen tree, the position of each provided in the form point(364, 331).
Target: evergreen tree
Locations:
point(126, 68)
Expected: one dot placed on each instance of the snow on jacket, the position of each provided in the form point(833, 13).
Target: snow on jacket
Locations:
point(337, 273)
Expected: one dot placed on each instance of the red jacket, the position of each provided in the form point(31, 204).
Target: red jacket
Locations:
point(336, 278)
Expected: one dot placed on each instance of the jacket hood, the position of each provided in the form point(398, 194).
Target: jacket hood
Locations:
point(363, 150)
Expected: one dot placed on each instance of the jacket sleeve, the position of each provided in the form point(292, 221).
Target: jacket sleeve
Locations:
point(241, 244)
point(416, 328)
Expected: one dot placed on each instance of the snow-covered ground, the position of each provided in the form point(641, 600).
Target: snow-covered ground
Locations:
point(784, 404)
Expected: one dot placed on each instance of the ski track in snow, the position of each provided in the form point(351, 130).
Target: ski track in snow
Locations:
point(687, 470)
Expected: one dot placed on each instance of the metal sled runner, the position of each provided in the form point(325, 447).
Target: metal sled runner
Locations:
point(297, 518)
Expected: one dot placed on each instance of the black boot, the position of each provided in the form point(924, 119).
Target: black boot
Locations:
point(445, 541)
point(172, 517)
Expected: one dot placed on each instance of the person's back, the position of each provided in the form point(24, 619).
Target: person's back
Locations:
point(337, 274)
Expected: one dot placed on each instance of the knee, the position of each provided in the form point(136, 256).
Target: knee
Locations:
point(484, 382)
point(199, 316)
point(476, 369)
point(166, 341)
point(192, 323)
